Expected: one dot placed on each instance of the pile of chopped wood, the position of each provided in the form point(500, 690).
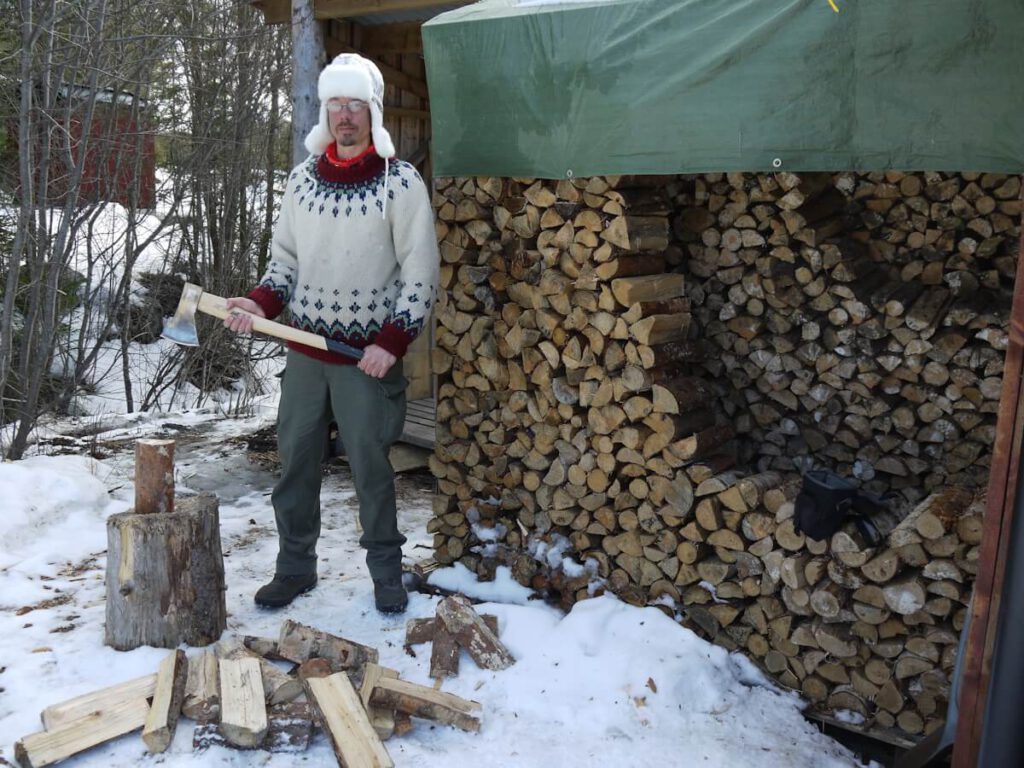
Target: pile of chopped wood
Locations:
point(456, 627)
point(860, 321)
point(239, 698)
point(868, 629)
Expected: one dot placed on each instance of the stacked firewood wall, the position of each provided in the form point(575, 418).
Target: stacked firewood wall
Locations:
point(611, 350)
point(566, 403)
point(860, 320)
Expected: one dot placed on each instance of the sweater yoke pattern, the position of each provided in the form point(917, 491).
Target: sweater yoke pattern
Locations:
point(320, 194)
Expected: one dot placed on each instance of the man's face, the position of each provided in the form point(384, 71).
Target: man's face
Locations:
point(349, 129)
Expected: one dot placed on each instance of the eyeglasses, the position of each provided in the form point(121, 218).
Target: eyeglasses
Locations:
point(355, 106)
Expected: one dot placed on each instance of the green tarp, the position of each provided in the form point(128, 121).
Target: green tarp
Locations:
point(687, 86)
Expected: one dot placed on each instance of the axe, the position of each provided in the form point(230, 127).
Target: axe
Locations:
point(181, 328)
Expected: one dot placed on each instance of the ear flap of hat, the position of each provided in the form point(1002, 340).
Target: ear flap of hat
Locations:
point(318, 139)
point(381, 138)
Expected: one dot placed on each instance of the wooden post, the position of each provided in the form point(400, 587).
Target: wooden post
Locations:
point(999, 513)
point(154, 476)
point(307, 61)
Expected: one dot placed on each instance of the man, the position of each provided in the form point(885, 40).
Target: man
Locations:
point(354, 258)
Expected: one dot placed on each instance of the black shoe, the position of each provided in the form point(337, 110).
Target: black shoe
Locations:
point(389, 594)
point(283, 589)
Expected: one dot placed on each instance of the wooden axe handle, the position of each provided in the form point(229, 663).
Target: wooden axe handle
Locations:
point(216, 306)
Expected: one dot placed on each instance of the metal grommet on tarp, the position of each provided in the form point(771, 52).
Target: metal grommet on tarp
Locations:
point(569, 173)
point(777, 162)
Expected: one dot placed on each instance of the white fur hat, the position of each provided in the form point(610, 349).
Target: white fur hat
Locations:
point(354, 77)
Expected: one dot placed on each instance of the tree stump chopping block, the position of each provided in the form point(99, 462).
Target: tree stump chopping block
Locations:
point(165, 577)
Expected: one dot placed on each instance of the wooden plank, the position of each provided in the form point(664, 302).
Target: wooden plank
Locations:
point(57, 715)
point(342, 716)
point(406, 112)
point(421, 701)
point(337, 9)
point(243, 713)
point(49, 747)
point(419, 434)
point(887, 735)
point(427, 407)
point(280, 12)
point(998, 521)
point(403, 37)
point(202, 689)
point(420, 423)
point(163, 714)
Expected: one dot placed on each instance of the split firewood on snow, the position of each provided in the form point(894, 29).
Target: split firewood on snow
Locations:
point(202, 688)
point(386, 722)
point(264, 646)
point(243, 712)
point(428, 703)
point(466, 626)
point(342, 716)
point(444, 654)
point(117, 718)
point(68, 711)
point(289, 729)
point(299, 643)
point(445, 650)
point(279, 687)
point(166, 705)
point(418, 631)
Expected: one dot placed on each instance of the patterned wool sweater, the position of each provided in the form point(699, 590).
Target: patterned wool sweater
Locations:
point(345, 266)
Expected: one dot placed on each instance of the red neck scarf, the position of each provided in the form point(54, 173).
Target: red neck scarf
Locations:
point(342, 162)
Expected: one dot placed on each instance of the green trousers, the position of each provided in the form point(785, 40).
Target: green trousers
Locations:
point(370, 414)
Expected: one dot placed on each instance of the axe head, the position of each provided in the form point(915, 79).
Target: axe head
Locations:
point(181, 329)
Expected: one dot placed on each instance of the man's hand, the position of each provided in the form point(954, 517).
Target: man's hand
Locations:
point(376, 361)
point(239, 322)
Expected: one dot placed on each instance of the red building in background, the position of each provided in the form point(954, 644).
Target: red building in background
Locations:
point(112, 129)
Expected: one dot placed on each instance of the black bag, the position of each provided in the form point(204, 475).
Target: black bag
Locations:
point(823, 503)
point(826, 500)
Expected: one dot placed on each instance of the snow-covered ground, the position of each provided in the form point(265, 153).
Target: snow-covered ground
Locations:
point(606, 684)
